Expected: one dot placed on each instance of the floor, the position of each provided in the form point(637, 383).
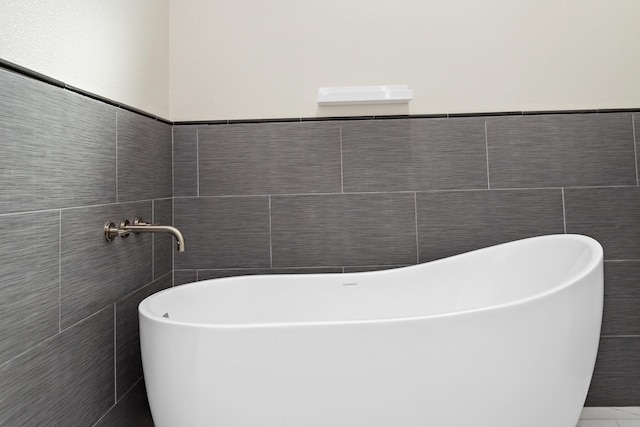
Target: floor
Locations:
point(628, 416)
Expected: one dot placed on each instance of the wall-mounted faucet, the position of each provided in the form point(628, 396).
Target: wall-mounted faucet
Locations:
point(139, 226)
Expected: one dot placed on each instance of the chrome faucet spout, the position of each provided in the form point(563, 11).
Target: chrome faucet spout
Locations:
point(154, 228)
point(139, 226)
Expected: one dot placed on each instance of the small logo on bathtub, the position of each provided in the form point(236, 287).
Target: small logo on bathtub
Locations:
point(350, 284)
point(166, 315)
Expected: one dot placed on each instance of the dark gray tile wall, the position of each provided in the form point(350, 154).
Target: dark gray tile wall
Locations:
point(368, 194)
point(223, 232)
point(58, 148)
point(476, 219)
point(343, 230)
point(561, 150)
point(269, 158)
point(128, 359)
point(163, 244)
point(270, 198)
point(30, 280)
point(414, 155)
point(610, 215)
point(144, 158)
point(69, 164)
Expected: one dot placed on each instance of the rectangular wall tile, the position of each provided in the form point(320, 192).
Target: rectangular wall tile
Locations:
point(451, 223)
point(185, 161)
point(30, 280)
point(65, 381)
point(269, 158)
point(609, 215)
point(128, 358)
point(341, 230)
point(223, 232)
point(163, 243)
point(131, 410)
point(616, 379)
point(414, 154)
point(95, 273)
point(58, 148)
point(621, 298)
point(561, 150)
point(144, 158)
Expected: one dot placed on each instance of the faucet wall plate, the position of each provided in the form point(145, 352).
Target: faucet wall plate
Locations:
point(140, 226)
point(110, 231)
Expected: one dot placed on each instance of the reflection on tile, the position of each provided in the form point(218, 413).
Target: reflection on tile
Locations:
point(340, 230)
point(451, 223)
point(223, 232)
point(609, 215)
point(269, 158)
point(561, 150)
point(414, 154)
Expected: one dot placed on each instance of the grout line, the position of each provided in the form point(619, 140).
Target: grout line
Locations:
point(564, 213)
point(635, 143)
point(173, 192)
point(458, 190)
point(117, 189)
point(486, 147)
point(48, 339)
point(270, 238)
point(60, 271)
point(341, 164)
point(173, 174)
point(198, 161)
point(142, 287)
point(620, 336)
point(115, 355)
point(415, 212)
point(153, 241)
point(173, 251)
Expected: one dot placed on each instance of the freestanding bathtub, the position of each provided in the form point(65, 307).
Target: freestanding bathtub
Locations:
point(502, 336)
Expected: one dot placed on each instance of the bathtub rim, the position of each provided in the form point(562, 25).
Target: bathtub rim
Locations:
point(597, 259)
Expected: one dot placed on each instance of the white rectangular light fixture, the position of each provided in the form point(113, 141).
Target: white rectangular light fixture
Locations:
point(385, 94)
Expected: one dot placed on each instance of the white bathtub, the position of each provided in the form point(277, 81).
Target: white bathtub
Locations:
point(503, 336)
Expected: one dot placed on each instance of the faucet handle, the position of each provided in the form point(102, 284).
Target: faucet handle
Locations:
point(139, 221)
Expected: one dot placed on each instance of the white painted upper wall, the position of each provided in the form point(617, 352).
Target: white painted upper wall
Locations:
point(230, 59)
point(259, 59)
point(118, 49)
